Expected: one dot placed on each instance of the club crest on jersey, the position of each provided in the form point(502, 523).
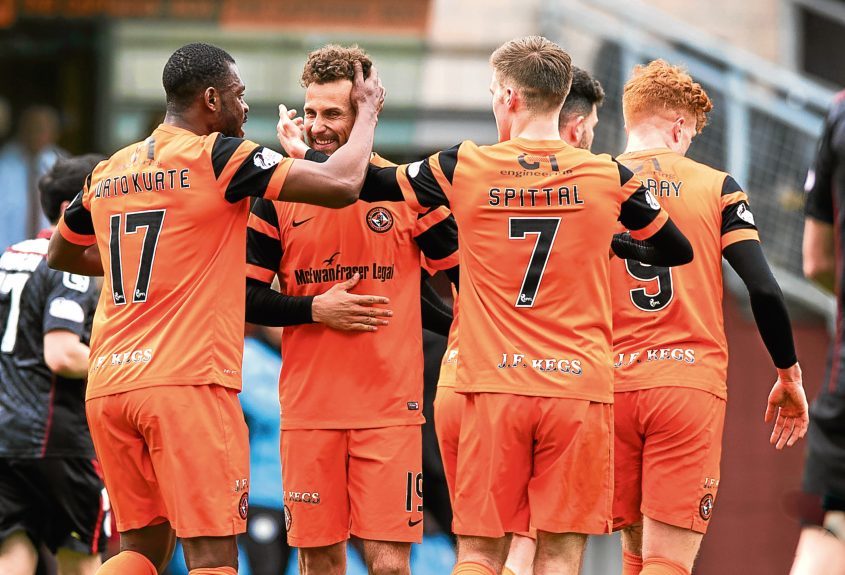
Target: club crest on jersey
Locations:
point(243, 506)
point(380, 220)
point(652, 203)
point(743, 213)
point(288, 519)
point(266, 159)
point(705, 508)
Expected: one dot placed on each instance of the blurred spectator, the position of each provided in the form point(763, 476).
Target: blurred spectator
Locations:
point(821, 548)
point(22, 161)
point(5, 119)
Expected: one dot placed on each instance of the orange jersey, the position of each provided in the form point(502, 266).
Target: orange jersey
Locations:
point(169, 218)
point(535, 221)
point(334, 379)
point(667, 322)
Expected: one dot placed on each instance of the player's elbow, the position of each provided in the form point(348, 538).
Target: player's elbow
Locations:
point(343, 193)
point(818, 268)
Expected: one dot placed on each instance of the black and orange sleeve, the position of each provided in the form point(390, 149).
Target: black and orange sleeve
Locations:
point(737, 219)
point(76, 224)
point(263, 242)
point(640, 212)
point(423, 185)
point(244, 169)
point(436, 234)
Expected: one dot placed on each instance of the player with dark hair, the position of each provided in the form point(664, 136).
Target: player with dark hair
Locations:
point(670, 351)
point(579, 115)
point(535, 218)
point(822, 542)
point(166, 218)
point(50, 488)
point(351, 440)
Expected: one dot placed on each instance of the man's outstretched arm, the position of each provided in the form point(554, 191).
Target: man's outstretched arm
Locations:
point(787, 404)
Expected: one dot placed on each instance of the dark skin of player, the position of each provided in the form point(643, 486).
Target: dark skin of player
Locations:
point(224, 110)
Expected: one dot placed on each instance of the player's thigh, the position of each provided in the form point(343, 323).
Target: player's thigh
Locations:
point(670, 542)
point(627, 460)
point(489, 551)
point(199, 446)
point(76, 563)
point(314, 477)
point(124, 457)
point(683, 447)
point(386, 483)
point(18, 555)
point(571, 487)
point(559, 553)
point(494, 465)
point(324, 560)
point(387, 557)
point(448, 411)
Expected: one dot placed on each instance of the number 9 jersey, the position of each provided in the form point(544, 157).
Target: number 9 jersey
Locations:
point(169, 217)
point(668, 324)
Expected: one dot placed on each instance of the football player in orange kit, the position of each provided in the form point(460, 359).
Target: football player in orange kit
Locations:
point(576, 123)
point(166, 218)
point(670, 350)
point(351, 437)
point(535, 218)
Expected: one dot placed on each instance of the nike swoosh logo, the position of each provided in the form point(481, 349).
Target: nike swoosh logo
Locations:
point(413, 523)
point(297, 224)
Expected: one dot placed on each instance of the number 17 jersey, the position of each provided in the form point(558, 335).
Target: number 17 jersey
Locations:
point(169, 217)
point(535, 221)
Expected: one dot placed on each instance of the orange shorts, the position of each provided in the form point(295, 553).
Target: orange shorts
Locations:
point(538, 459)
point(174, 453)
point(364, 482)
point(668, 446)
point(448, 410)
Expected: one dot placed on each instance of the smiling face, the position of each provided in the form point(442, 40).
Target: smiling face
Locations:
point(329, 115)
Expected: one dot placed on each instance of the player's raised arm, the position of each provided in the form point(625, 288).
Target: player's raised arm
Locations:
point(653, 238)
point(73, 247)
point(337, 182)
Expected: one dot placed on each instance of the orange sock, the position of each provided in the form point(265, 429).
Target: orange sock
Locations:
point(127, 563)
point(214, 571)
point(471, 568)
point(660, 566)
point(631, 564)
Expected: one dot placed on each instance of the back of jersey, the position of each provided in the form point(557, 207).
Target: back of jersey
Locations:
point(668, 326)
point(535, 221)
point(171, 230)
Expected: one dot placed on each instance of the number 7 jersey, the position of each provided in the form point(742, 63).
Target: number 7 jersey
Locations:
point(535, 221)
point(169, 218)
point(668, 324)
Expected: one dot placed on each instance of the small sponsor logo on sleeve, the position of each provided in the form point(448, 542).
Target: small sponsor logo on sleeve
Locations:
point(67, 309)
point(651, 201)
point(266, 159)
point(743, 213)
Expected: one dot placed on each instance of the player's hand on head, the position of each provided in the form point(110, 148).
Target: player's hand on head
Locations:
point(369, 92)
point(788, 408)
point(290, 132)
point(341, 310)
